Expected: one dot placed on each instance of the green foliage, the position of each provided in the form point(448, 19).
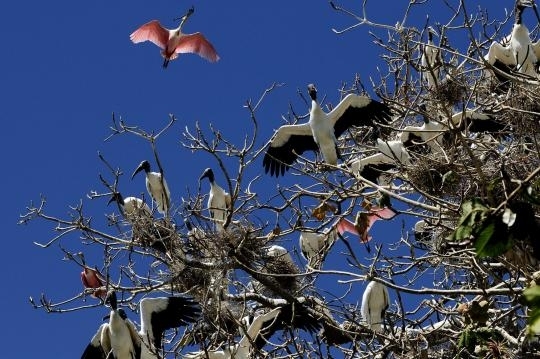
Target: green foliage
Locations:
point(488, 231)
point(532, 298)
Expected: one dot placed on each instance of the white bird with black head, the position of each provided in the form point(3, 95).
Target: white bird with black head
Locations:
point(157, 187)
point(519, 52)
point(322, 130)
point(219, 201)
point(431, 60)
point(119, 338)
point(132, 208)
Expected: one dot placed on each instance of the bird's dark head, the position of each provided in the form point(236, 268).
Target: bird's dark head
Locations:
point(112, 300)
point(182, 19)
point(144, 165)
point(116, 197)
point(208, 173)
point(431, 31)
point(312, 90)
point(520, 6)
point(188, 224)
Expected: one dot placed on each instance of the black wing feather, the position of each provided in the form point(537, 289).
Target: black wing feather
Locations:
point(363, 116)
point(295, 316)
point(277, 160)
point(93, 352)
point(180, 311)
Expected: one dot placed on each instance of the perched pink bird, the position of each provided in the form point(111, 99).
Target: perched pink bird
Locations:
point(92, 279)
point(364, 221)
point(174, 42)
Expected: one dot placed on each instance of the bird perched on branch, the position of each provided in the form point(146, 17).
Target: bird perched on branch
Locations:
point(375, 302)
point(156, 186)
point(119, 339)
point(244, 347)
point(519, 52)
point(431, 60)
point(219, 201)
point(173, 42)
point(391, 154)
point(322, 130)
point(132, 208)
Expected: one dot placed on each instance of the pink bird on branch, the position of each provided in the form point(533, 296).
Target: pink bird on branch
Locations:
point(92, 279)
point(173, 42)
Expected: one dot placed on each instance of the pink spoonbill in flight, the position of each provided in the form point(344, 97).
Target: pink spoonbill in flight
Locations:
point(173, 41)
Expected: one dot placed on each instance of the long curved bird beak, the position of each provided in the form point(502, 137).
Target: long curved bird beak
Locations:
point(185, 17)
point(137, 170)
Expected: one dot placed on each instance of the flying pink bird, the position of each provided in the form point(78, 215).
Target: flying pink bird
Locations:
point(364, 221)
point(174, 42)
point(92, 279)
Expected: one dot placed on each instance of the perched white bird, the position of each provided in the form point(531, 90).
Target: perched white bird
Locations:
point(431, 60)
point(519, 53)
point(391, 154)
point(243, 348)
point(320, 133)
point(173, 42)
point(157, 187)
point(219, 201)
point(119, 339)
point(313, 244)
point(375, 301)
point(131, 208)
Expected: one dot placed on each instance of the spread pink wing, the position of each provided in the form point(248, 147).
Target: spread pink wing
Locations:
point(344, 225)
point(151, 31)
point(383, 213)
point(197, 44)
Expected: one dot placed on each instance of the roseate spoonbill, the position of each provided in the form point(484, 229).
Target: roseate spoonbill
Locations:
point(219, 201)
point(320, 133)
point(173, 42)
point(157, 187)
point(375, 301)
point(518, 52)
point(364, 221)
point(431, 60)
point(92, 279)
point(119, 339)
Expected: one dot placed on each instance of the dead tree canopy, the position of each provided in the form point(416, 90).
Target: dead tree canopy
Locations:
point(403, 222)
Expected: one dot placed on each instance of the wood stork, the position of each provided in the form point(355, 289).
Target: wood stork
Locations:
point(219, 201)
point(375, 301)
point(119, 339)
point(131, 208)
point(173, 42)
point(244, 347)
point(314, 245)
point(363, 222)
point(391, 154)
point(157, 187)
point(431, 132)
point(320, 133)
point(519, 52)
point(431, 60)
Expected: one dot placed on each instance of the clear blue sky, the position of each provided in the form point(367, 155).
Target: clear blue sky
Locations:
point(66, 66)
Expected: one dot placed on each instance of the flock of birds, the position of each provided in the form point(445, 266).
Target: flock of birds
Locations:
point(119, 338)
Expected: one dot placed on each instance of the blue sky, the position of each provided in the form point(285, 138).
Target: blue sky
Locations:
point(67, 66)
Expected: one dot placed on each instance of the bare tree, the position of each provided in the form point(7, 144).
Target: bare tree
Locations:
point(468, 187)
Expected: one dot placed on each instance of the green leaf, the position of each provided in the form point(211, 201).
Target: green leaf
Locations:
point(483, 239)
